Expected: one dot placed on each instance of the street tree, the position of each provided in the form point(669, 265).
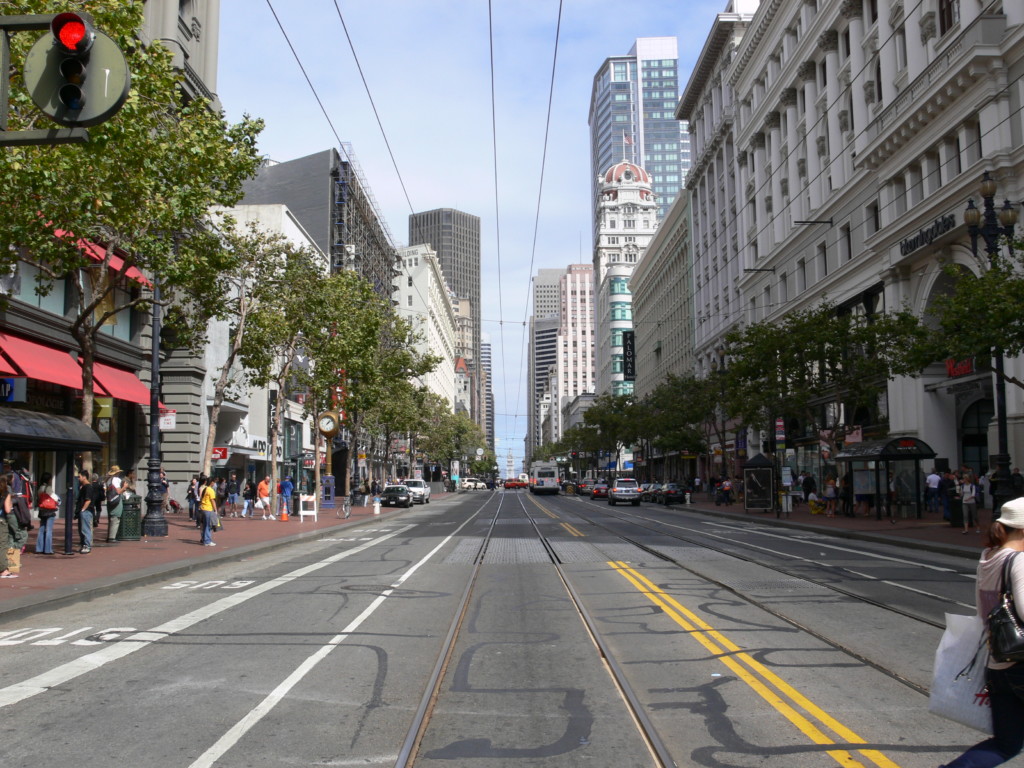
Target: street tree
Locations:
point(308, 326)
point(612, 416)
point(826, 367)
point(133, 199)
point(978, 313)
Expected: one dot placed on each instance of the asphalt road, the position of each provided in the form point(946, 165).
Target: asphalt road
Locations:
point(741, 644)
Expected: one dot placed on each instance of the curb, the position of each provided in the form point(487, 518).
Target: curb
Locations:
point(108, 585)
point(937, 547)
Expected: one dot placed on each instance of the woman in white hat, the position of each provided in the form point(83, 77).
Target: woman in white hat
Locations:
point(1005, 679)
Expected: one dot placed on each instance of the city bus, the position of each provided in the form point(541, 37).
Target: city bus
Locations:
point(544, 477)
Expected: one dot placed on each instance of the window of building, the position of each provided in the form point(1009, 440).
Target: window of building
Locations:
point(783, 288)
point(801, 276)
point(872, 222)
point(621, 310)
point(25, 290)
point(619, 285)
point(616, 363)
point(629, 223)
point(822, 259)
point(846, 242)
point(949, 15)
point(410, 281)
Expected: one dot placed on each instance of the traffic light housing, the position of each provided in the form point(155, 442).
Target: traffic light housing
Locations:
point(76, 75)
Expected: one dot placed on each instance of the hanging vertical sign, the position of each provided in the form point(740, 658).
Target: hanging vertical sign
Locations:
point(271, 411)
point(780, 432)
point(628, 356)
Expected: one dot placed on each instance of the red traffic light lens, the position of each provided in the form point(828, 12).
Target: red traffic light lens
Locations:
point(72, 32)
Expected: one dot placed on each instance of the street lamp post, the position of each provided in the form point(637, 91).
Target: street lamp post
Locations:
point(718, 369)
point(154, 524)
point(991, 226)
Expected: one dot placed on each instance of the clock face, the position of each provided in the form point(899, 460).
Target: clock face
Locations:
point(327, 423)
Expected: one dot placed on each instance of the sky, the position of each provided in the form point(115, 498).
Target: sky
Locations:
point(427, 64)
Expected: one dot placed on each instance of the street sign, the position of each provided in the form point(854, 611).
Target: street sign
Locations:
point(219, 453)
point(168, 419)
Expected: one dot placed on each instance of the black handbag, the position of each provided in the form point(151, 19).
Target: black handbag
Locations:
point(1005, 633)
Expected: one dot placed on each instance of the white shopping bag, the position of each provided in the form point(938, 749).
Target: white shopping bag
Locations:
point(958, 683)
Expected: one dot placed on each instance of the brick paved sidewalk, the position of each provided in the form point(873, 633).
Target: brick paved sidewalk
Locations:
point(51, 580)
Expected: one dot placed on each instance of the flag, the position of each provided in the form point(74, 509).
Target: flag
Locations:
point(628, 140)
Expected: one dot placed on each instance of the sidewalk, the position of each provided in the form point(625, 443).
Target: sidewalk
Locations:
point(931, 532)
point(50, 581)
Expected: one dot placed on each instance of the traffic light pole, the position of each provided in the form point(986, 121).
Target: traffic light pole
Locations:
point(9, 24)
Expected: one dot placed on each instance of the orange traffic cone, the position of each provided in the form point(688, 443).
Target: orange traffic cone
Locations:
point(284, 515)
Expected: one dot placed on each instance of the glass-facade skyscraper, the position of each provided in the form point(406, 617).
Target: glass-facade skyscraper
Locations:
point(632, 118)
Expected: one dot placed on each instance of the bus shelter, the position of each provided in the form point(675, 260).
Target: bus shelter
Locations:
point(889, 473)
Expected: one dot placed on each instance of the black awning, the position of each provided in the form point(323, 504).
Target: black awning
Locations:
point(890, 449)
point(32, 431)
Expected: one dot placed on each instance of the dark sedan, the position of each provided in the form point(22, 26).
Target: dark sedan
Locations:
point(396, 496)
point(599, 491)
point(669, 493)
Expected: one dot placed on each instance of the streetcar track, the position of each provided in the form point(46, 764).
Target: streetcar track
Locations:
point(764, 606)
point(408, 753)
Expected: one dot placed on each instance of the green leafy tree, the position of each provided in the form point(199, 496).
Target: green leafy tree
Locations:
point(140, 189)
point(452, 436)
point(820, 365)
point(980, 313)
point(673, 416)
point(612, 415)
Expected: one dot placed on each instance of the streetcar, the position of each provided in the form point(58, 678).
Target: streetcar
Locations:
point(544, 477)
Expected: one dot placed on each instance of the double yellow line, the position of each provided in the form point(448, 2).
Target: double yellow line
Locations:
point(784, 698)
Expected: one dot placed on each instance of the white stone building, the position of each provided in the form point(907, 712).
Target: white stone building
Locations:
point(836, 146)
point(627, 214)
point(423, 299)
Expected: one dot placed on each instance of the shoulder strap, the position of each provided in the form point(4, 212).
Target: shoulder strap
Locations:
point(1007, 576)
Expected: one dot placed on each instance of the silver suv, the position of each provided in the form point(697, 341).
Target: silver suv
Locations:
point(624, 489)
point(420, 491)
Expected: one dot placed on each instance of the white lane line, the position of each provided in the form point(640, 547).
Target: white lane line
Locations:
point(60, 675)
point(261, 710)
point(814, 543)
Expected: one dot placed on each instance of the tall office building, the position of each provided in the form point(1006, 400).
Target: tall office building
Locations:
point(455, 238)
point(632, 118)
point(488, 393)
point(561, 359)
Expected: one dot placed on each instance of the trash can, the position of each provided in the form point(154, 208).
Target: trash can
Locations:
point(131, 519)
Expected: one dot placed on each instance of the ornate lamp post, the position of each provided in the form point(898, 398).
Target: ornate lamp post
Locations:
point(718, 370)
point(991, 226)
point(155, 524)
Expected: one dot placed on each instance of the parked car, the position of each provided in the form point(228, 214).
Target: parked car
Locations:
point(599, 491)
point(624, 489)
point(670, 493)
point(420, 491)
point(649, 491)
point(472, 484)
point(396, 496)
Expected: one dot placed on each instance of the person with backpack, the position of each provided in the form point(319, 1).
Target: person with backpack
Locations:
point(6, 509)
point(19, 523)
point(48, 504)
point(114, 490)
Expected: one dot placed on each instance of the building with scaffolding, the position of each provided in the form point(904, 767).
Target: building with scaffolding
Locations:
point(331, 198)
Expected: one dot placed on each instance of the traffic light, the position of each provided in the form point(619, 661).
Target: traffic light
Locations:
point(76, 75)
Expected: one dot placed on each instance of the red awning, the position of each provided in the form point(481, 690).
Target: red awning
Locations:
point(6, 369)
point(122, 384)
point(42, 362)
point(98, 253)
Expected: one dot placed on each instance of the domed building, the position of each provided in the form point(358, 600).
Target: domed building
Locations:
point(625, 221)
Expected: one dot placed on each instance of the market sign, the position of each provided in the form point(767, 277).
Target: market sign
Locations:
point(955, 368)
point(928, 235)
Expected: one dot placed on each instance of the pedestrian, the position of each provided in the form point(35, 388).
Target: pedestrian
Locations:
point(287, 488)
point(969, 499)
point(1005, 679)
point(84, 509)
point(263, 497)
point(808, 485)
point(232, 495)
point(931, 490)
point(846, 494)
point(947, 492)
point(47, 502)
point(192, 496)
point(1017, 483)
point(22, 498)
point(727, 491)
point(6, 510)
point(220, 486)
point(114, 492)
point(831, 494)
point(165, 491)
point(248, 498)
point(207, 510)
